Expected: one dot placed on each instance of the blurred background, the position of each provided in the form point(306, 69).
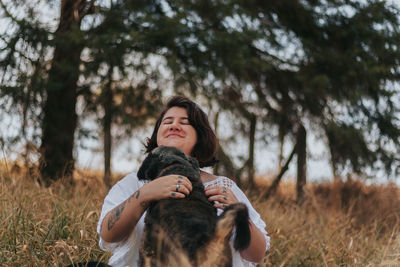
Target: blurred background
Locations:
point(301, 89)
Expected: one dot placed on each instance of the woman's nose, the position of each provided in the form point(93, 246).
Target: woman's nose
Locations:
point(174, 126)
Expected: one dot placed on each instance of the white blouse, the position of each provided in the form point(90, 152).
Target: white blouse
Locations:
point(126, 252)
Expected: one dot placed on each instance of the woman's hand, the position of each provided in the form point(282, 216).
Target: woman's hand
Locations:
point(169, 186)
point(120, 221)
point(223, 195)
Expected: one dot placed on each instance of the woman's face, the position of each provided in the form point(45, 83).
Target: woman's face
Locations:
point(176, 131)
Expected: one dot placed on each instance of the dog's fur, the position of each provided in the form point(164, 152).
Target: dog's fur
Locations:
point(189, 225)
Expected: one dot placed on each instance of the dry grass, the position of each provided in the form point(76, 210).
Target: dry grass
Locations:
point(48, 226)
point(342, 224)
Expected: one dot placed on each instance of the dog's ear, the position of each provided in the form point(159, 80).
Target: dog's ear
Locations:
point(149, 169)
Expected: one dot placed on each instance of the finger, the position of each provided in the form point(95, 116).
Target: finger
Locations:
point(220, 206)
point(212, 191)
point(184, 190)
point(183, 185)
point(176, 195)
point(181, 188)
point(219, 198)
point(211, 187)
point(185, 181)
point(177, 178)
point(215, 189)
point(181, 178)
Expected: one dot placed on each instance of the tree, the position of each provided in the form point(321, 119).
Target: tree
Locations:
point(50, 80)
point(128, 93)
point(60, 119)
point(328, 64)
point(114, 32)
point(21, 91)
point(342, 83)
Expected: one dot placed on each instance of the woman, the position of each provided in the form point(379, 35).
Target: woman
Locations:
point(184, 125)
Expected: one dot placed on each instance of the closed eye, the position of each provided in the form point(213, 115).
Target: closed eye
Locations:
point(185, 121)
point(167, 121)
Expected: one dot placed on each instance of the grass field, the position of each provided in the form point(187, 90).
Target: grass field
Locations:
point(342, 224)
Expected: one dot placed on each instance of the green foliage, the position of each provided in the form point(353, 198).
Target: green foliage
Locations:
point(23, 62)
point(329, 64)
point(347, 144)
point(318, 63)
point(117, 71)
point(52, 74)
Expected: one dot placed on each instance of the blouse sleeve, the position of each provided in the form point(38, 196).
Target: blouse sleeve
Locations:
point(118, 194)
point(254, 216)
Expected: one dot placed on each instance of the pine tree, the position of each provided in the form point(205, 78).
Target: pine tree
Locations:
point(329, 64)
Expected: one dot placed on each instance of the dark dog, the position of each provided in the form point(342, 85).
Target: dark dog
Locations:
point(189, 225)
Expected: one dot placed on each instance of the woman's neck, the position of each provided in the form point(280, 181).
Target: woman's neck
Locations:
point(207, 177)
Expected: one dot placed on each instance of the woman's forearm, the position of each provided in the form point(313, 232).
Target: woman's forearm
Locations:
point(121, 220)
point(256, 250)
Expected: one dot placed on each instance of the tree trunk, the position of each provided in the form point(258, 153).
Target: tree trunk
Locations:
point(301, 162)
point(59, 118)
point(336, 176)
point(272, 189)
point(250, 163)
point(334, 164)
point(107, 119)
point(282, 133)
point(216, 167)
point(226, 165)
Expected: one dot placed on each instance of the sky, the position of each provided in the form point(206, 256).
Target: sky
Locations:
point(128, 155)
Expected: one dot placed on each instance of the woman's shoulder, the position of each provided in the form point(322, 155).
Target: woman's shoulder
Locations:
point(128, 179)
point(129, 182)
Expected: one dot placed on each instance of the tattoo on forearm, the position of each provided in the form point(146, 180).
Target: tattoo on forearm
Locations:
point(144, 204)
point(134, 195)
point(115, 215)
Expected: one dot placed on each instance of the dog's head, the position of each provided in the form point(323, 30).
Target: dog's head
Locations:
point(160, 159)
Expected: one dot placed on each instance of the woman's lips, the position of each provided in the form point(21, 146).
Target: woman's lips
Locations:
point(172, 135)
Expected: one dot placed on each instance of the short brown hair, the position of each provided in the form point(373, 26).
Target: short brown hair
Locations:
point(206, 146)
